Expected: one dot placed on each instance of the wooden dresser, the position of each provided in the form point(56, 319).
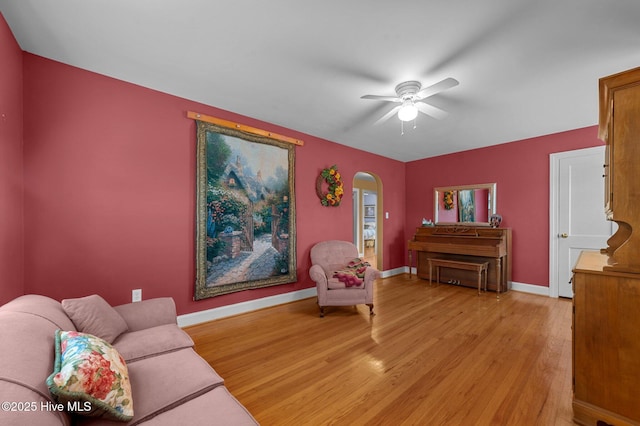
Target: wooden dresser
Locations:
point(606, 284)
point(467, 244)
point(606, 343)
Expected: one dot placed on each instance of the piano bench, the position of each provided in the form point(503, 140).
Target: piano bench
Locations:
point(479, 267)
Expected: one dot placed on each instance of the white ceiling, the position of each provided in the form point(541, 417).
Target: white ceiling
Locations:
point(526, 67)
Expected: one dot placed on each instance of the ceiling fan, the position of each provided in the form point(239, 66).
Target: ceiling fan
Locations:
point(410, 96)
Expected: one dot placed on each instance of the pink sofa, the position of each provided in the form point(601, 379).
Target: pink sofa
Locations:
point(170, 383)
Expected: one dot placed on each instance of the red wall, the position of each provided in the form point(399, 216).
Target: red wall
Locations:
point(11, 204)
point(110, 190)
point(97, 188)
point(521, 171)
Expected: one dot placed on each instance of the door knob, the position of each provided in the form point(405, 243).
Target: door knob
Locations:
point(564, 235)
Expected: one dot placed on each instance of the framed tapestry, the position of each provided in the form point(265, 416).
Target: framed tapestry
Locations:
point(245, 208)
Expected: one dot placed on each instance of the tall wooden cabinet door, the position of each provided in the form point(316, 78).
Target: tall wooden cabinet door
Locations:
point(625, 154)
point(620, 129)
point(618, 123)
point(607, 182)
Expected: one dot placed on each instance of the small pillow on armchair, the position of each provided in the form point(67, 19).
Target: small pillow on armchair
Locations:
point(93, 315)
point(90, 377)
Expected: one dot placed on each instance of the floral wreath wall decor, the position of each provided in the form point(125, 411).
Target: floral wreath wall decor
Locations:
point(335, 192)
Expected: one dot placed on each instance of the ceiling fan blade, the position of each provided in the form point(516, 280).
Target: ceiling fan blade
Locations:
point(445, 84)
point(432, 111)
point(388, 115)
point(382, 98)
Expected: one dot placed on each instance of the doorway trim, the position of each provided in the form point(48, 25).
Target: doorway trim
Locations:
point(554, 193)
point(379, 218)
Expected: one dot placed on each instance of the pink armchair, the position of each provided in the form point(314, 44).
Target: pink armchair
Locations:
point(330, 256)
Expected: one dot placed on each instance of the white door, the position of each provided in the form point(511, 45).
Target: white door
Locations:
point(578, 221)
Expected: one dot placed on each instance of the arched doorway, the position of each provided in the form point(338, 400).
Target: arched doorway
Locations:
point(367, 217)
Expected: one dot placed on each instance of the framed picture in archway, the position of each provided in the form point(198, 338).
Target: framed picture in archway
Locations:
point(370, 212)
point(245, 210)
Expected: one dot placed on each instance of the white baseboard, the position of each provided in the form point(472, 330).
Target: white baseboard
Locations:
point(530, 288)
point(522, 287)
point(279, 299)
point(392, 272)
point(243, 307)
point(252, 305)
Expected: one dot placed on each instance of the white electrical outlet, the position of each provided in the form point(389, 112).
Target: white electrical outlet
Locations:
point(136, 295)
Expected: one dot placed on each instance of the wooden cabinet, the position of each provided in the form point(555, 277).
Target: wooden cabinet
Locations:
point(606, 284)
point(619, 128)
point(606, 343)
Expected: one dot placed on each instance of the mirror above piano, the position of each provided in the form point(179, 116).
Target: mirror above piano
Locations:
point(465, 204)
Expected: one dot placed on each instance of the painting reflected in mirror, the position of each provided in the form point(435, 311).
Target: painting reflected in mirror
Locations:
point(466, 204)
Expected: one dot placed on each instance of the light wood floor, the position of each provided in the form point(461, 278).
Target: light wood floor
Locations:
point(432, 355)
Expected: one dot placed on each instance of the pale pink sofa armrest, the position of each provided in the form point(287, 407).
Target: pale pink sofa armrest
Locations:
point(317, 274)
point(371, 274)
point(148, 313)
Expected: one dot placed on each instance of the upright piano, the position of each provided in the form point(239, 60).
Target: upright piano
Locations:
point(467, 244)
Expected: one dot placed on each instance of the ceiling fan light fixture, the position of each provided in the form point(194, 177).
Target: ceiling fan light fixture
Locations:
point(408, 111)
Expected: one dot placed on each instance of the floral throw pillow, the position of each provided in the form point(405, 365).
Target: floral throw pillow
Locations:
point(90, 377)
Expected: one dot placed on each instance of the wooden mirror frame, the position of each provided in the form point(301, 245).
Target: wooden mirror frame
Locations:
point(440, 218)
